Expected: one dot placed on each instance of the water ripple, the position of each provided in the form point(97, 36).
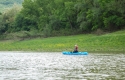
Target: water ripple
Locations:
point(55, 66)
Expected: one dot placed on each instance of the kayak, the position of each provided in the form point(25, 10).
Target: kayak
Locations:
point(76, 53)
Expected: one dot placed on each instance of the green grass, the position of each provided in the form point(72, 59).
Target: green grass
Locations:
point(111, 42)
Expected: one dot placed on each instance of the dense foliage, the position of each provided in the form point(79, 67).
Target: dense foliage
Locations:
point(60, 17)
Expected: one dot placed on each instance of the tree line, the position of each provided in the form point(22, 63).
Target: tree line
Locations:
point(64, 17)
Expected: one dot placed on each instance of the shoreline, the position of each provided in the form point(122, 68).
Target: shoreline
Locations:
point(107, 43)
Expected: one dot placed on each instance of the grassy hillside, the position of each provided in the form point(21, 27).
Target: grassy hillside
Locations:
point(4, 4)
point(112, 42)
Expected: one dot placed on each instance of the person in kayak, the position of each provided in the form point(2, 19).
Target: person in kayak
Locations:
point(76, 49)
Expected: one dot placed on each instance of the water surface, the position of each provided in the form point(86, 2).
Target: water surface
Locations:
point(55, 66)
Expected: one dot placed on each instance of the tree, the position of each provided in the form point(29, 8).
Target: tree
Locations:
point(28, 16)
point(8, 18)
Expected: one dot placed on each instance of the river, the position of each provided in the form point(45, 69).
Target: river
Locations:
point(56, 66)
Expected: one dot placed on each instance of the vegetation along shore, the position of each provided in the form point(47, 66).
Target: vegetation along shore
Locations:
point(111, 42)
point(57, 25)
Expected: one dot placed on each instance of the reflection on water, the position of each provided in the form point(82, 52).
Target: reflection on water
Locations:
point(55, 66)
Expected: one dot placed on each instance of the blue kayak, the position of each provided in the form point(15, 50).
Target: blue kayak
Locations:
point(76, 53)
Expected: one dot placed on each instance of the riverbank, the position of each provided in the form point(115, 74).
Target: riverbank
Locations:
point(111, 42)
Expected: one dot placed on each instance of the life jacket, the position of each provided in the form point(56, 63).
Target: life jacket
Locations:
point(76, 48)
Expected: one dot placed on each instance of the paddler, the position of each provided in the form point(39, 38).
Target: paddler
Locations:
point(75, 49)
